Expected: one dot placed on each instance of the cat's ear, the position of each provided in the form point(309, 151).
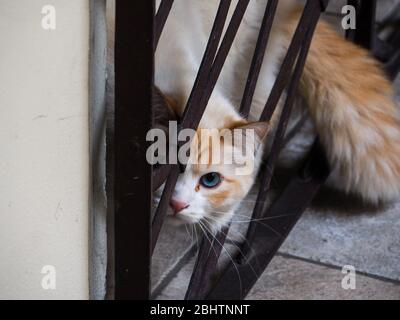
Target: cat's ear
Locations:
point(260, 130)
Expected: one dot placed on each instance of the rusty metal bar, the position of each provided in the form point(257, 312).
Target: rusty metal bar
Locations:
point(251, 263)
point(258, 57)
point(163, 172)
point(240, 276)
point(203, 272)
point(132, 184)
point(189, 119)
point(132, 279)
point(201, 93)
point(288, 62)
point(308, 21)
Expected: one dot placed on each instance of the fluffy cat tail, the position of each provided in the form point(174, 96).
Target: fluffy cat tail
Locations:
point(353, 108)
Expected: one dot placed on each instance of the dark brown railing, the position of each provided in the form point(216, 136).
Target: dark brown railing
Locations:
point(132, 174)
point(134, 69)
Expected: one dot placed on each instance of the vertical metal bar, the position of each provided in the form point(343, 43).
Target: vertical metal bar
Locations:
point(258, 57)
point(351, 33)
point(133, 119)
point(161, 19)
point(364, 34)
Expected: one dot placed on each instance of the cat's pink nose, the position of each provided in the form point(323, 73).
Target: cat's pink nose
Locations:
point(178, 205)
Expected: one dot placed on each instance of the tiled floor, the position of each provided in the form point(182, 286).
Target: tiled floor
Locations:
point(335, 231)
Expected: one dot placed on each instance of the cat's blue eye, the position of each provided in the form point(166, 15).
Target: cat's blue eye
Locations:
point(210, 180)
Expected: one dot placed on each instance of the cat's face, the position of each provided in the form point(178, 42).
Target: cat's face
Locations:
point(209, 191)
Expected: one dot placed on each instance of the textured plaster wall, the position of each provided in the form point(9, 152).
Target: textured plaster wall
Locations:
point(44, 155)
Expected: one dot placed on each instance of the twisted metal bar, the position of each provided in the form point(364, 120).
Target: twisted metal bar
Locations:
point(288, 62)
point(204, 85)
point(238, 278)
point(206, 264)
point(191, 116)
point(163, 172)
point(228, 287)
point(310, 20)
point(201, 281)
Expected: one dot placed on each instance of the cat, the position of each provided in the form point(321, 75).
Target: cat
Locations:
point(351, 104)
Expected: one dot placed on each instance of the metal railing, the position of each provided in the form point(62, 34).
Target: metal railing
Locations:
point(134, 239)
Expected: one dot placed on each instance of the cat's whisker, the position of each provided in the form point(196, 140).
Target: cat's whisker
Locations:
point(230, 257)
point(266, 218)
point(197, 240)
point(250, 219)
point(192, 233)
point(211, 244)
point(188, 233)
point(231, 230)
point(238, 248)
point(266, 225)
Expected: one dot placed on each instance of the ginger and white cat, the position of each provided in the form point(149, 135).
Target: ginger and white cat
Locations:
point(350, 101)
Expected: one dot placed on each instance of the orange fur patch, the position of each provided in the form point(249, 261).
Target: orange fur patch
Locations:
point(351, 102)
point(218, 198)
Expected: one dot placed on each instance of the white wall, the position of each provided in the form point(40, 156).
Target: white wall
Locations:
point(44, 149)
